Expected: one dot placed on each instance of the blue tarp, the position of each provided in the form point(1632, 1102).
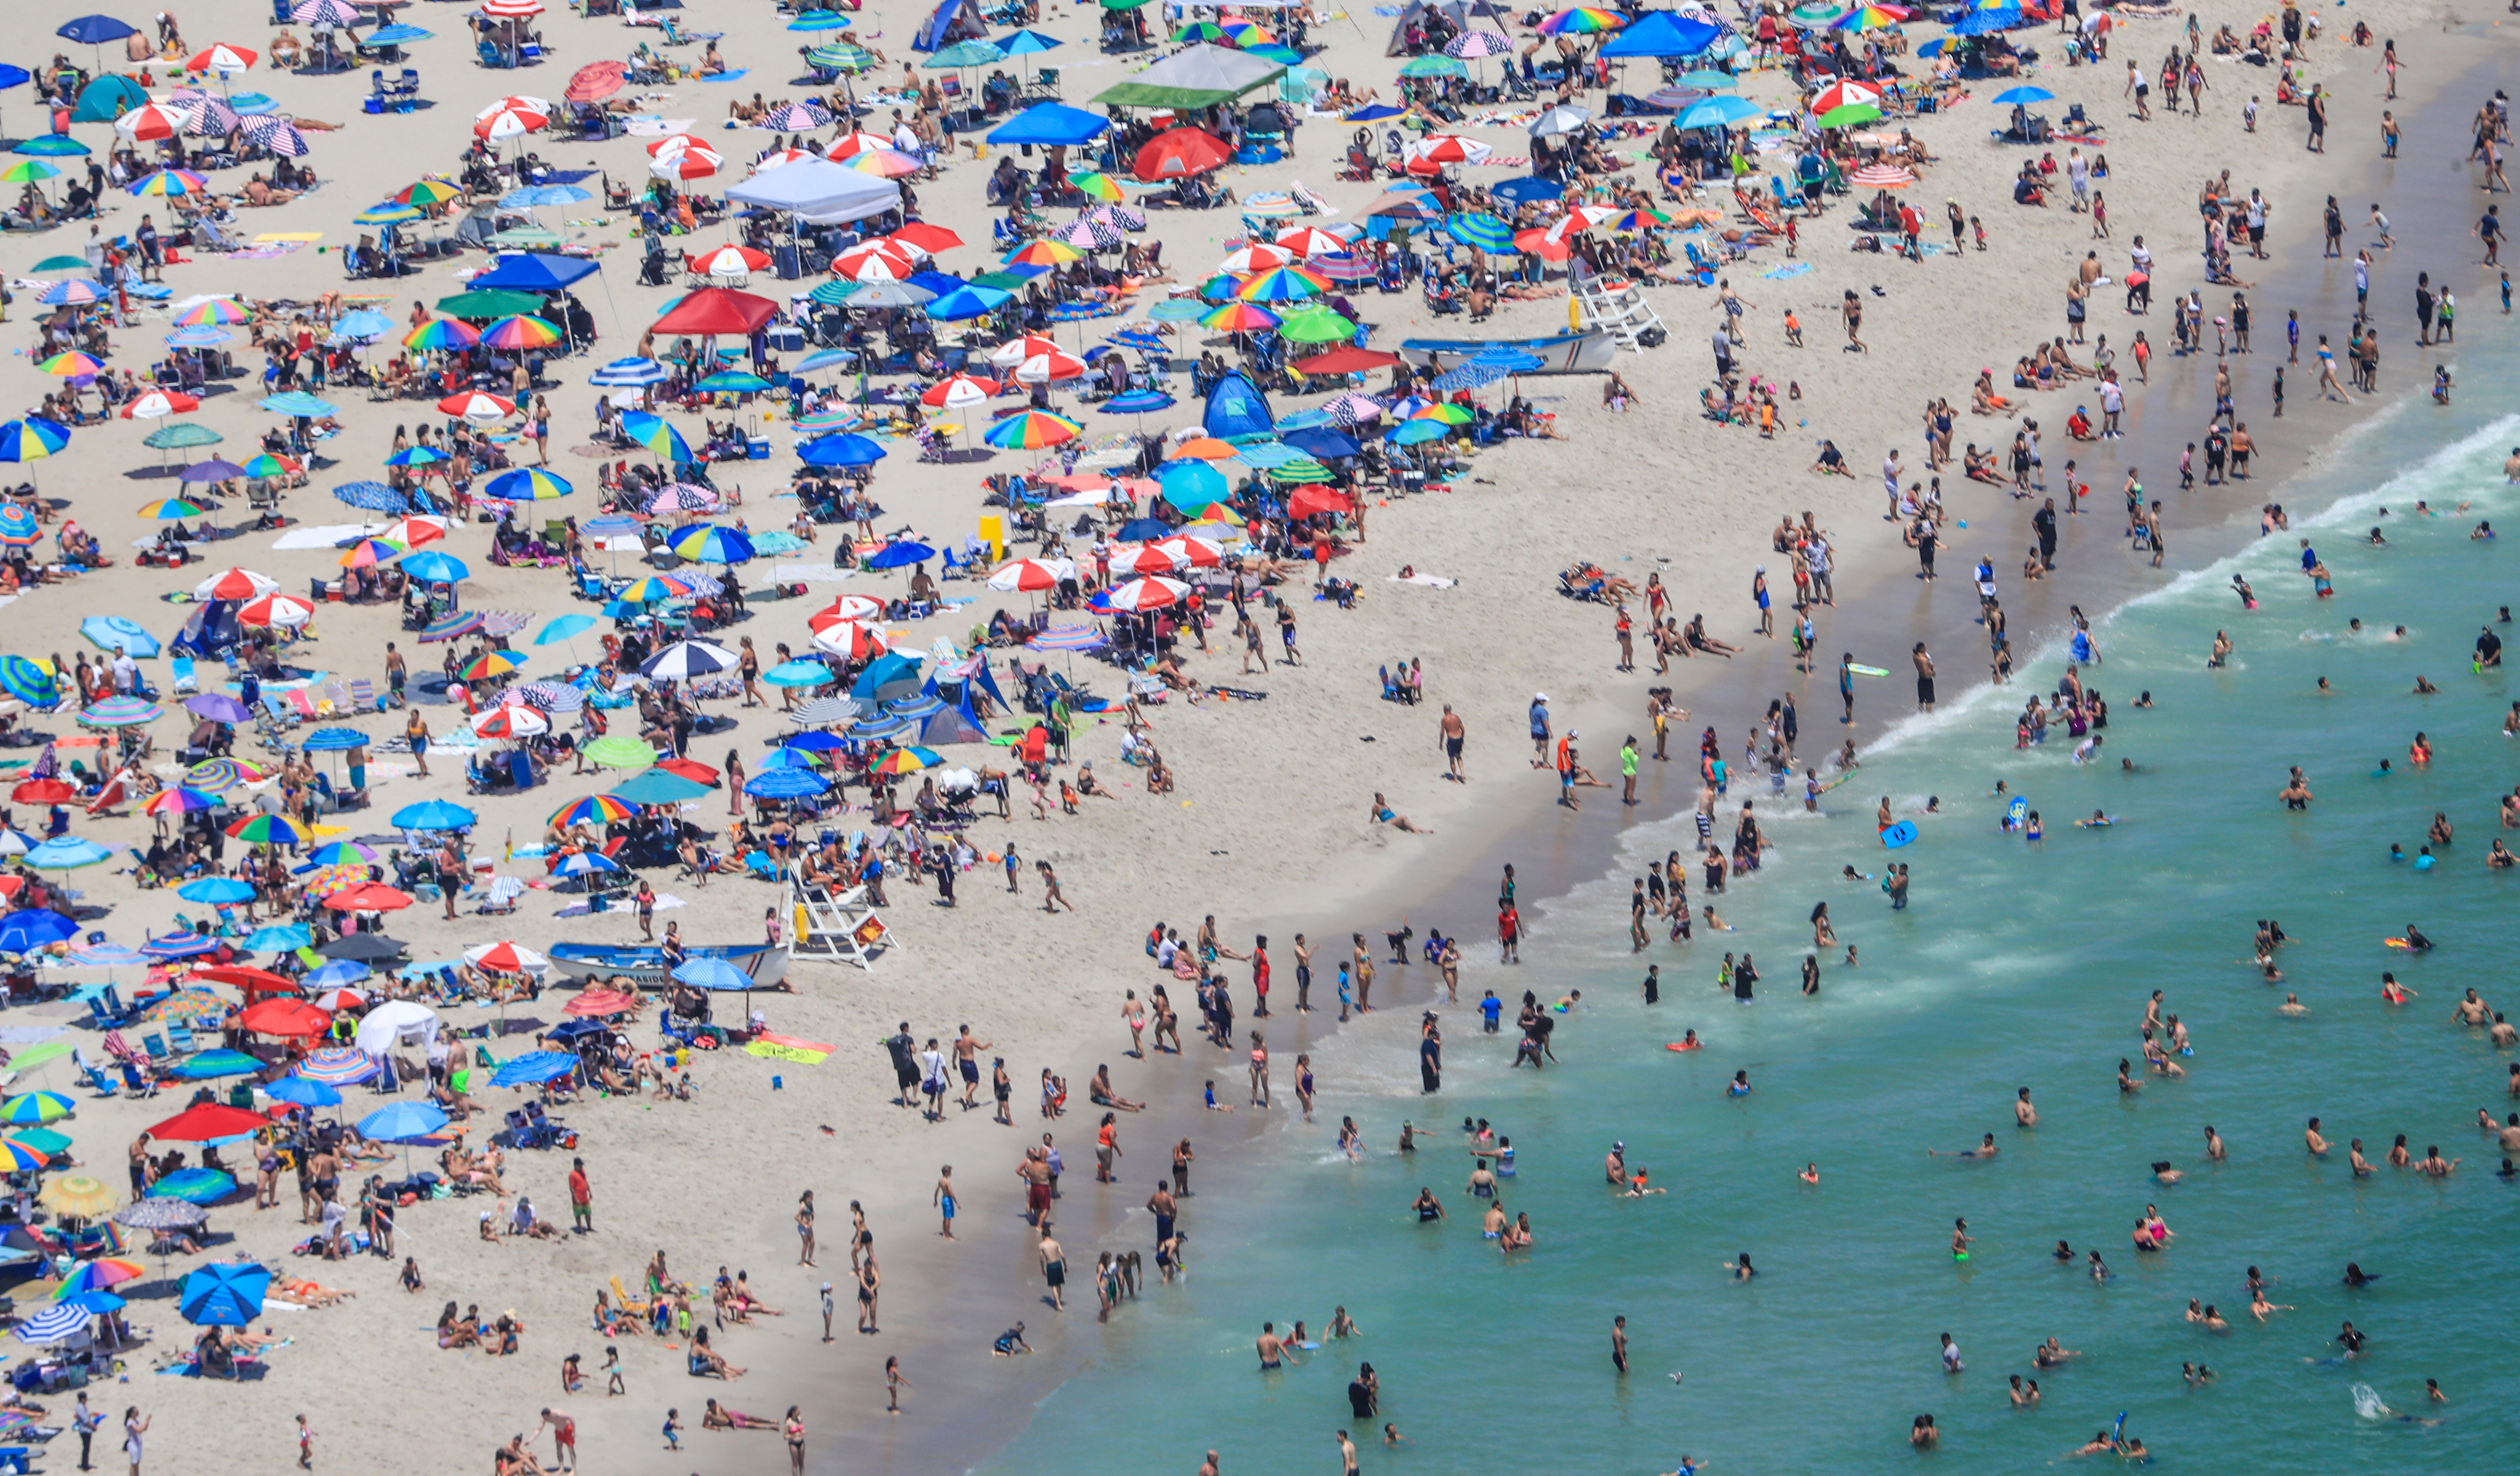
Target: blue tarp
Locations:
point(1663, 34)
point(953, 20)
point(1237, 407)
point(1049, 123)
point(533, 272)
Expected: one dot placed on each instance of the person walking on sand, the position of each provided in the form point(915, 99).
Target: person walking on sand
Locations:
point(581, 1199)
point(134, 1427)
point(1450, 734)
point(1053, 899)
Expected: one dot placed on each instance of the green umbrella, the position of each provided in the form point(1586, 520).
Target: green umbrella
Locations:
point(181, 435)
point(525, 236)
point(488, 304)
point(620, 751)
point(1121, 4)
point(968, 53)
point(1314, 324)
point(1433, 66)
point(1304, 469)
point(1850, 114)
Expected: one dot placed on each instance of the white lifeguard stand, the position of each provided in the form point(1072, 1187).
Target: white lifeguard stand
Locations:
point(1615, 306)
point(839, 926)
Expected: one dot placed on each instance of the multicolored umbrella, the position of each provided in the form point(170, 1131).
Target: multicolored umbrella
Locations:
point(269, 831)
point(520, 332)
point(1031, 431)
point(442, 334)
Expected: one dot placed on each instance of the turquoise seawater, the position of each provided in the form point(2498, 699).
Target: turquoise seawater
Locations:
point(2016, 965)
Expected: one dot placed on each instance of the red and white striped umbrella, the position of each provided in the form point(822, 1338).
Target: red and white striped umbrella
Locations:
point(153, 403)
point(153, 121)
point(222, 57)
point(1439, 149)
point(1014, 351)
point(511, 10)
point(852, 639)
point(510, 721)
point(675, 143)
point(770, 161)
point(345, 998)
point(877, 261)
point(727, 261)
point(1313, 240)
point(234, 584)
point(1194, 552)
point(851, 145)
point(1047, 368)
point(1149, 594)
point(1144, 558)
point(1882, 177)
point(506, 959)
point(960, 392)
point(280, 611)
point(848, 607)
point(1259, 256)
point(505, 121)
point(1030, 575)
point(1843, 93)
point(411, 532)
point(473, 405)
point(695, 163)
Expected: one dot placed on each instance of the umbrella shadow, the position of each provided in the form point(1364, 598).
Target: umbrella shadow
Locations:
point(152, 474)
point(964, 455)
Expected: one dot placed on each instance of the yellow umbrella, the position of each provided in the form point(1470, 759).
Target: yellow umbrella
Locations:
point(79, 1196)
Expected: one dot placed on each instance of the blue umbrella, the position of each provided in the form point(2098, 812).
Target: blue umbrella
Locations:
point(899, 554)
point(585, 864)
point(95, 30)
point(535, 197)
point(1986, 23)
point(280, 937)
point(793, 755)
point(786, 783)
point(434, 567)
point(215, 890)
point(363, 322)
point(1142, 530)
point(708, 972)
point(29, 929)
point(563, 628)
point(298, 403)
point(195, 1187)
point(1138, 402)
point(27, 682)
point(798, 673)
point(2024, 95)
point(433, 815)
point(1529, 188)
point(180, 946)
point(96, 1302)
point(334, 740)
point(534, 1066)
point(1481, 231)
point(397, 35)
point(337, 972)
point(298, 1090)
point(969, 302)
point(375, 497)
point(67, 853)
point(223, 1294)
point(816, 742)
point(846, 449)
point(211, 1064)
point(406, 1121)
point(1719, 113)
point(1191, 483)
point(116, 633)
point(627, 374)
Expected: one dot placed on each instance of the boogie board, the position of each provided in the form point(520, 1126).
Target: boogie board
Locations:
point(2396, 943)
point(1897, 835)
point(2098, 825)
point(1868, 671)
point(1683, 1046)
point(2017, 814)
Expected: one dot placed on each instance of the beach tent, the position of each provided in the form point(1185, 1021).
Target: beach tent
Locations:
point(1049, 123)
point(953, 20)
point(818, 192)
point(1194, 77)
point(1479, 15)
point(533, 272)
point(887, 677)
point(208, 629)
point(957, 724)
point(108, 98)
point(1235, 407)
point(1663, 34)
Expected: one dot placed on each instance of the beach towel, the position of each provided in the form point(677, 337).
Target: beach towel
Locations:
point(1432, 581)
point(1787, 269)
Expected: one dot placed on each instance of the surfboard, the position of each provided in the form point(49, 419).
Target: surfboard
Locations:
point(1868, 671)
point(1897, 835)
point(2396, 943)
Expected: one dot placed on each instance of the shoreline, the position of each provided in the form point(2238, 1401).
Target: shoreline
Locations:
point(1571, 852)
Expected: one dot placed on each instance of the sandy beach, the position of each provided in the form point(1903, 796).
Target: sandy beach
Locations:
point(1269, 828)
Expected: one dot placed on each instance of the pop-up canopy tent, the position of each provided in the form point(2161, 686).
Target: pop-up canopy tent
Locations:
point(533, 272)
point(1663, 34)
point(818, 192)
point(1049, 123)
point(1195, 76)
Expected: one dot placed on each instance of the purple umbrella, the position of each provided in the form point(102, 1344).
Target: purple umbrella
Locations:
point(219, 707)
point(212, 471)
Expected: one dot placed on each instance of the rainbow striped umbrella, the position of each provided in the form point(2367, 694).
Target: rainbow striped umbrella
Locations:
point(1043, 252)
point(171, 182)
point(214, 312)
point(218, 776)
point(340, 1066)
point(36, 1108)
point(19, 528)
point(341, 853)
point(1867, 18)
point(1098, 185)
point(1240, 317)
point(180, 800)
point(526, 484)
point(594, 810)
point(1031, 431)
point(428, 191)
point(654, 588)
point(1582, 20)
point(1285, 283)
point(98, 1274)
point(71, 365)
point(268, 465)
point(490, 663)
point(368, 553)
point(173, 509)
point(440, 332)
point(268, 830)
point(520, 332)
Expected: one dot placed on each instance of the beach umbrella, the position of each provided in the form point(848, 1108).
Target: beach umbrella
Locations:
point(798, 674)
point(1718, 113)
point(403, 1122)
point(53, 1324)
point(229, 1293)
point(19, 527)
point(786, 783)
point(275, 610)
point(339, 1066)
point(620, 751)
point(1882, 177)
point(436, 568)
point(235, 585)
point(31, 439)
point(285, 1018)
point(2017, 96)
point(1029, 575)
point(298, 1092)
point(1150, 593)
point(80, 1196)
point(710, 543)
point(533, 1069)
point(1844, 92)
point(64, 853)
point(70, 365)
point(433, 815)
point(284, 937)
point(207, 1121)
point(218, 891)
point(36, 1108)
point(451, 627)
point(1847, 116)
point(1031, 431)
point(686, 660)
point(269, 831)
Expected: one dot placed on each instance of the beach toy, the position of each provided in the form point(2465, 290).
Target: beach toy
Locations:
point(1868, 671)
point(1897, 835)
point(1683, 1046)
point(2015, 812)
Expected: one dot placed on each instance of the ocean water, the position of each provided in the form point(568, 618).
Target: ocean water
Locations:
point(2017, 963)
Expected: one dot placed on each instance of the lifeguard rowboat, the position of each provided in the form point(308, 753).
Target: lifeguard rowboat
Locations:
point(600, 962)
point(1564, 353)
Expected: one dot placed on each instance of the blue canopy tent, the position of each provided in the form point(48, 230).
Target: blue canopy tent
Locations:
point(1049, 123)
point(953, 20)
point(533, 272)
point(1662, 33)
point(1237, 407)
